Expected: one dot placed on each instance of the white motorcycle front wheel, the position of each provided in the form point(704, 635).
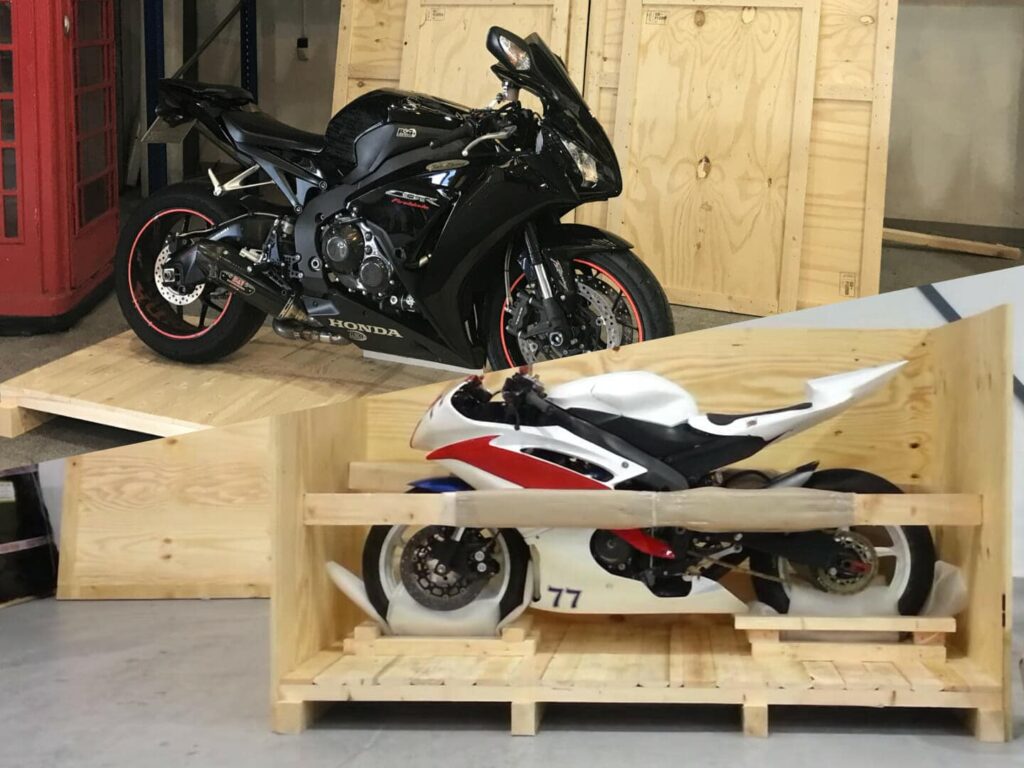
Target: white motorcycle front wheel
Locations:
point(402, 562)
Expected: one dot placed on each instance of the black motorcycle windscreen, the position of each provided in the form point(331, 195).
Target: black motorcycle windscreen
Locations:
point(565, 109)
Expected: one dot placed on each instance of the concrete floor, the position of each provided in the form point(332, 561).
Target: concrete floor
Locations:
point(59, 438)
point(184, 683)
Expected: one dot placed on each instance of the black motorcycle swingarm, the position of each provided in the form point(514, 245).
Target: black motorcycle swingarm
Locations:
point(816, 549)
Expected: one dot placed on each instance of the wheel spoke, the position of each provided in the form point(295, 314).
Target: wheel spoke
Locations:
point(202, 314)
point(881, 552)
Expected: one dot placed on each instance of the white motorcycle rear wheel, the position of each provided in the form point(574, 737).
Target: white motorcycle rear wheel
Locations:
point(905, 561)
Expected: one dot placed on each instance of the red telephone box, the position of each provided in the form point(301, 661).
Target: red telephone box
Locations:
point(58, 162)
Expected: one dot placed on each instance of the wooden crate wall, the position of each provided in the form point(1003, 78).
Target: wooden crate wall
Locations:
point(812, 237)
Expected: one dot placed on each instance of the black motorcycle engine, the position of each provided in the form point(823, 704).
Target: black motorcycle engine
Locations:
point(355, 257)
point(342, 246)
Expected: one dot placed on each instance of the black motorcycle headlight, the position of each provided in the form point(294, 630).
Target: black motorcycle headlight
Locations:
point(516, 55)
point(585, 162)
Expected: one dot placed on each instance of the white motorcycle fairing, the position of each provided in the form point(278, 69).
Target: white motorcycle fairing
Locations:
point(569, 580)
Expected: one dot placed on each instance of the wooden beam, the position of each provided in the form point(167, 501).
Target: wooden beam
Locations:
point(945, 624)
point(15, 420)
point(955, 244)
point(702, 509)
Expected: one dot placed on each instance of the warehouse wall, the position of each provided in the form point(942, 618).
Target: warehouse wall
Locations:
point(956, 150)
point(297, 92)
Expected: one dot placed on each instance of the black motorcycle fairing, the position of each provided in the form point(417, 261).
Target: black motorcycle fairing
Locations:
point(565, 110)
point(686, 449)
point(567, 240)
point(357, 142)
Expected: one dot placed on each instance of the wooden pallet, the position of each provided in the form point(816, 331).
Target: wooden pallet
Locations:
point(122, 383)
point(694, 661)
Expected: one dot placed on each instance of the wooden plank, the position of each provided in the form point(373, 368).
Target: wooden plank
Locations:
point(15, 420)
point(705, 509)
point(956, 244)
point(440, 646)
point(973, 453)
point(390, 475)
point(823, 674)
point(829, 651)
point(941, 624)
point(694, 662)
point(122, 383)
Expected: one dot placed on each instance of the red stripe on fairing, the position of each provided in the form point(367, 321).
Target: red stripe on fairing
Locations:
point(646, 543)
point(131, 291)
point(516, 467)
point(593, 266)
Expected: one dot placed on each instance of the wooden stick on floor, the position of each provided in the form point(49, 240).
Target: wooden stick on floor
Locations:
point(956, 244)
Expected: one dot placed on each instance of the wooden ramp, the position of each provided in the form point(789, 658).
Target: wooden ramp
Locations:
point(122, 383)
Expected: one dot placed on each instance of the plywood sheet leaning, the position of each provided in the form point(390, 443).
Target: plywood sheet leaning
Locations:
point(438, 46)
point(841, 245)
point(712, 124)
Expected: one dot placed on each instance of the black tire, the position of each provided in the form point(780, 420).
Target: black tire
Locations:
point(150, 316)
point(637, 283)
point(918, 538)
point(519, 560)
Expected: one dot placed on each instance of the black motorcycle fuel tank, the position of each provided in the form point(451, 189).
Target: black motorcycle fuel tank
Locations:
point(385, 123)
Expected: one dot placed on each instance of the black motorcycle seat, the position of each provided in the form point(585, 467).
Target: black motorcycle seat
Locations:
point(261, 130)
point(225, 94)
point(655, 439)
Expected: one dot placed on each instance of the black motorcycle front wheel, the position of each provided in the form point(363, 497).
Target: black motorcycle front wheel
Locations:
point(202, 325)
point(619, 302)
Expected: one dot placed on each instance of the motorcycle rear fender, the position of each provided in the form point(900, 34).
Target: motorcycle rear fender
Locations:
point(569, 240)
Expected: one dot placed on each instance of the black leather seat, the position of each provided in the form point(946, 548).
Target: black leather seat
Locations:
point(228, 95)
point(261, 130)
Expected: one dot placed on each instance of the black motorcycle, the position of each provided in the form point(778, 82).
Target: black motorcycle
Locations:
point(415, 228)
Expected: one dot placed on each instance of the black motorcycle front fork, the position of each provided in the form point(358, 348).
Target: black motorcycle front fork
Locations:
point(550, 301)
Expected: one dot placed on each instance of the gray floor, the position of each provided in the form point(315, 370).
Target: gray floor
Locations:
point(184, 683)
point(901, 268)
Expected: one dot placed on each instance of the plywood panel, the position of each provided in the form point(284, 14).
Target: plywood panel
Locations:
point(178, 517)
point(445, 53)
point(714, 177)
point(836, 190)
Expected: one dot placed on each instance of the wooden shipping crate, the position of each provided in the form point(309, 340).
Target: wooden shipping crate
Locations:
point(941, 429)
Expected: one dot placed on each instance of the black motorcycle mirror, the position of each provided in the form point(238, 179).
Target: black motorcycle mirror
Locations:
point(510, 50)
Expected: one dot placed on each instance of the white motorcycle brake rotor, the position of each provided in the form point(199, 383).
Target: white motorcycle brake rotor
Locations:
point(168, 293)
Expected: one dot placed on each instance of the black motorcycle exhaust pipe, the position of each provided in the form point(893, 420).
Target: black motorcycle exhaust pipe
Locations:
point(223, 264)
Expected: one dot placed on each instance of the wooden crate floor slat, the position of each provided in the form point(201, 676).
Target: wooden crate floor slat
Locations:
point(122, 383)
point(692, 662)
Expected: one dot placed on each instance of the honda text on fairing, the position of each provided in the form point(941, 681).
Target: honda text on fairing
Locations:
point(415, 228)
point(627, 431)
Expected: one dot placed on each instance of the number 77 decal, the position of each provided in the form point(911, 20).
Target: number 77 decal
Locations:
point(558, 591)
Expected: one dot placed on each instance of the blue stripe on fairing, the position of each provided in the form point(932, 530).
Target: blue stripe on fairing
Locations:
point(441, 484)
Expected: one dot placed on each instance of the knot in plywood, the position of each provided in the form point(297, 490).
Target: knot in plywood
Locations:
point(698, 18)
point(703, 167)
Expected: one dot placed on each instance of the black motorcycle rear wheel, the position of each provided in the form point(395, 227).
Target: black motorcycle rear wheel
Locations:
point(198, 327)
point(621, 302)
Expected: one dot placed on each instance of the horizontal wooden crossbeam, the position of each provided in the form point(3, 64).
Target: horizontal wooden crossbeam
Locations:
point(702, 509)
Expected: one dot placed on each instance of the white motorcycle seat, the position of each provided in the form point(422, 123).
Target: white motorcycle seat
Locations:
point(639, 395)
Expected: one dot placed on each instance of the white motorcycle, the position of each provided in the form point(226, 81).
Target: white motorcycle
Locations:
point(627, 431)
